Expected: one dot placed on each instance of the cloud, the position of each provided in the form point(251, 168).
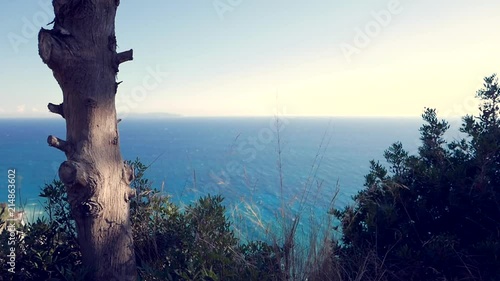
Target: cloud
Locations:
point(21, 108)
point(34, 109)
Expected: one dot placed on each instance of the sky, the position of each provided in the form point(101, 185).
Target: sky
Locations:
point(378, 58)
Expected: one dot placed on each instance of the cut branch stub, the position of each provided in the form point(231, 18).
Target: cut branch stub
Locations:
point(128, 173)
point(58, 143)
point(73, 173)
point(131, 193)
point(125, 56)
point(56, 108)
point(45, 43)
point(116, 86)
point(52, 47)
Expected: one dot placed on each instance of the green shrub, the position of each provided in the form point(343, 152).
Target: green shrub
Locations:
point(170, 244)
point(47, 248)
point(434, 215)
point(194, 244)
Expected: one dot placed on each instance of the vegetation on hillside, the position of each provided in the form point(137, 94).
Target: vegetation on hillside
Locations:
point(434, 215)
point(170, 244)
point(430, 216)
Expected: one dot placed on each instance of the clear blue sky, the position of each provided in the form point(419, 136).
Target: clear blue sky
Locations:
point(249, 57)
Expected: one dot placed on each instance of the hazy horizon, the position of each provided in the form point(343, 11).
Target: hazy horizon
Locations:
point(162, 115)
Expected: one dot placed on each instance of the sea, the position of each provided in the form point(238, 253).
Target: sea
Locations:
point(271, 171)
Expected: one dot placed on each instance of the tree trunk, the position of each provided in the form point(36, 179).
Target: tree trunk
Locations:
point(81, 51)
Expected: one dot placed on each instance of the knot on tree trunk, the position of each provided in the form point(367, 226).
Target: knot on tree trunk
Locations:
point(73, 173)
point(89, 208)
point(53, 47)
point(45, 43)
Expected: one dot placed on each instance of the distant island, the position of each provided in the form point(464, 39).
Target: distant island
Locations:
point(149, 115)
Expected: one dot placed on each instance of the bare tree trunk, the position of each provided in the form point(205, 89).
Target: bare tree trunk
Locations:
point(81, 51)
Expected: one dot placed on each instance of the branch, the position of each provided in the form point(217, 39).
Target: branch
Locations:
point(53, 46)
point(56, 108)
point(45, 44)
point(58, 143)
point(129, 194)
point(128, 173)
point(116, 86)
point(125, 56)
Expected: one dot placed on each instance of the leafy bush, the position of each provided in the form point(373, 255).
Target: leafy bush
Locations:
point(170, 244)
point(46, 249)
point(194, 244)
point(434, 215)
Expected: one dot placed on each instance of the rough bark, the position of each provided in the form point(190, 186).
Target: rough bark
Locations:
point(81, 52)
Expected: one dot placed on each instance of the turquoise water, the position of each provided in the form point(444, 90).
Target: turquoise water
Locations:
point(234, 157)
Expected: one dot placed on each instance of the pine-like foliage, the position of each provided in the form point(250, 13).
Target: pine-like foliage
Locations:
point(434, 215)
